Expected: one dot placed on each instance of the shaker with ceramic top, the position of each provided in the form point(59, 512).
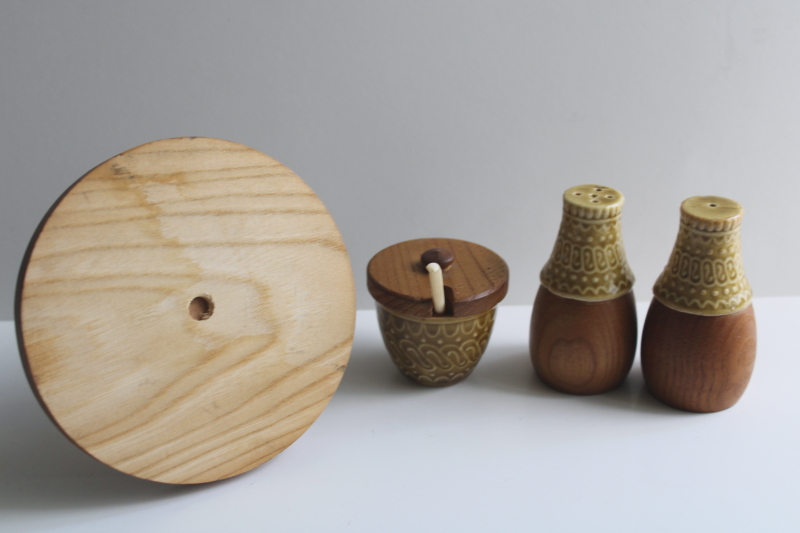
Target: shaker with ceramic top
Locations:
point(436, 302)
point(583, 328)
point(699, 338)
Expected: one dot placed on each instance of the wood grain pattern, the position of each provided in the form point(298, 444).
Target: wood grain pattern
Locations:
point(581, 347)
point(128, 362)
point(698, 363)
point(476, 281)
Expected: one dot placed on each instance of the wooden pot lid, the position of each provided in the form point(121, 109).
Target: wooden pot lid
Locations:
point(475, 278)
point(185, 311)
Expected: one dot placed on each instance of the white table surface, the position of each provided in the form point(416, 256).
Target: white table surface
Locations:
point(499, 452)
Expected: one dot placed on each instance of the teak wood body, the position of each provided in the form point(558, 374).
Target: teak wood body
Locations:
point(698, 363)
point(186, 310)
point(581, 347)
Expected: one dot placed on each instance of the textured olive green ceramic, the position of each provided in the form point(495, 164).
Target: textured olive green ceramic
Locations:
point(436, 351)
point(588, 261)
point(705, 274)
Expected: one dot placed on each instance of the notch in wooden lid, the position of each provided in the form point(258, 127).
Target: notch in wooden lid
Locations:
point(475, 278)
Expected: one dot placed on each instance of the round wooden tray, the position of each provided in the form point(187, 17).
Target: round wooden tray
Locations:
point(185, 311)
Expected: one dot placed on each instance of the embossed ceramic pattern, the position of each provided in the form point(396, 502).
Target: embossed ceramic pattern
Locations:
point(705, 274)
point(588, 260)
point(436, 351)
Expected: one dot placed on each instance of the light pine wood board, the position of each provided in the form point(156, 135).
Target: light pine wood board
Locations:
point(109, 341)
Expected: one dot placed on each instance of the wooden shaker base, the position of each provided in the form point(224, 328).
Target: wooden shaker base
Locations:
point(698, 363)
point(582, 347)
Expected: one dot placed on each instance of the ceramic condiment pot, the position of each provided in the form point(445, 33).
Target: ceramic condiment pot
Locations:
point(429, 348)
point(699, 338)
point(583, 328)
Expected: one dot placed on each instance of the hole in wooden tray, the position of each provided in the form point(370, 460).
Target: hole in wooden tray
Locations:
point(201, 308)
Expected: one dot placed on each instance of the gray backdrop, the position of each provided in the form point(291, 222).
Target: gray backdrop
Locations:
point(420, 118)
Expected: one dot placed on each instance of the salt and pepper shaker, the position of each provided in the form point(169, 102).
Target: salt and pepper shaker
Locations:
point(436, 302)
point(699, 338)
point(583, 329)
